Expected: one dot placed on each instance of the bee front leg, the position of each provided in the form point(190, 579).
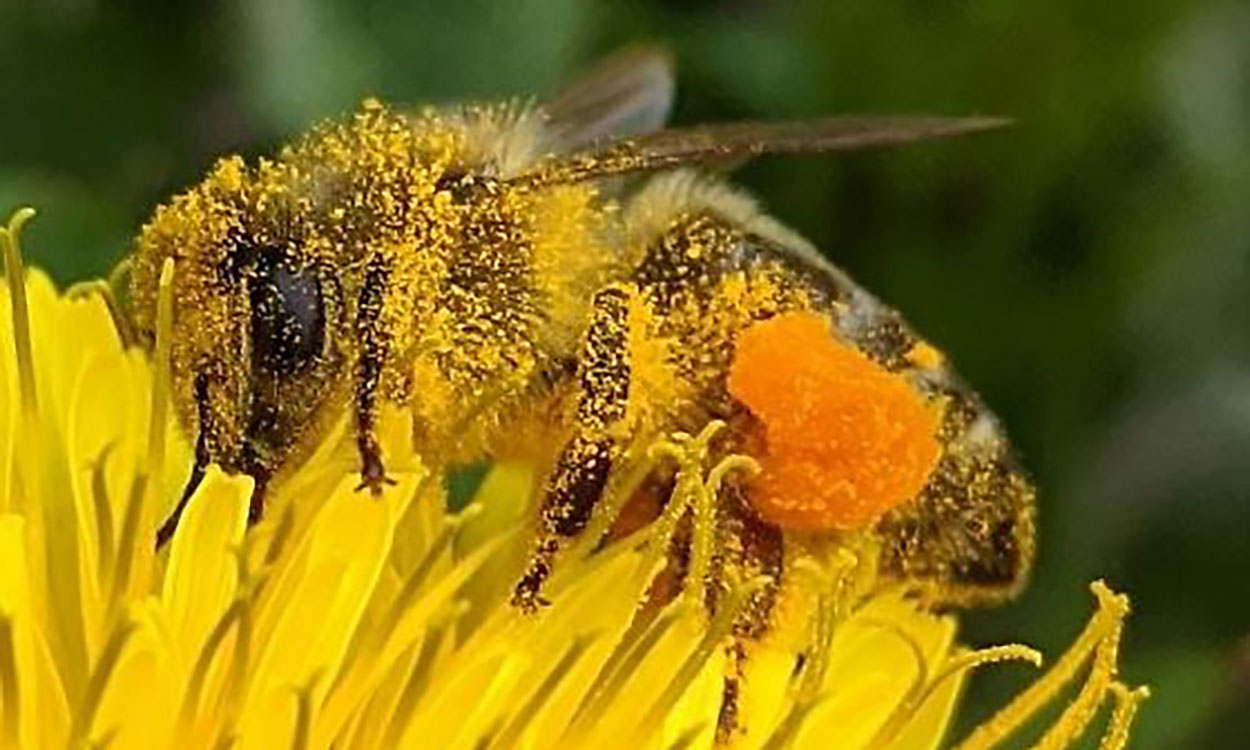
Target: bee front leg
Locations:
point(582, 470)
point(374, 347)
point(167, 529)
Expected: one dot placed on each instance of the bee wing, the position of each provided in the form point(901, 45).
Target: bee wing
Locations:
point(701, 144)
point(627, 93)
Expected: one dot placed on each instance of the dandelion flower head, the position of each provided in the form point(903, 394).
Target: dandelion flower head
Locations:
point(349, 621)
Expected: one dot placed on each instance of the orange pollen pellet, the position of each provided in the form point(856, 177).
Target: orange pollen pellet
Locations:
point(844, 439)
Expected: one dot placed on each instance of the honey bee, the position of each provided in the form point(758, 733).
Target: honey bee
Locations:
point(445, 260)
point(476, 264)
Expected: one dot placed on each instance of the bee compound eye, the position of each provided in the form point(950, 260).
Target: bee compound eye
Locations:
point(288, 317)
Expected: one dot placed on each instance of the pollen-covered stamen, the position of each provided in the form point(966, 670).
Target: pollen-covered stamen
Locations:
point(991, 655)
point(695, 493)
point(511, 732)
point(159, 413)
point(842, 580)
point(1126, 704)
point(703, 544)
point(203, 660)
point(110, 655)
point(21, 313)
point(1078, 714)
point(925, 686)
point(1101, 638)
point(103, 508)
point(635, 465)
point(644, 631)
point(845, 439)
point(739, 593)
point(304, 712)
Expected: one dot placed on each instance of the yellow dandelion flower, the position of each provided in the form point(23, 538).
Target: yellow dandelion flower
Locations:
point(347, 621)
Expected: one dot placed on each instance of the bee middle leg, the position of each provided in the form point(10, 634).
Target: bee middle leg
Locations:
point(582, 470)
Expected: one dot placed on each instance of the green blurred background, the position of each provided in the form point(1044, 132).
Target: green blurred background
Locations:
point(1089, 269)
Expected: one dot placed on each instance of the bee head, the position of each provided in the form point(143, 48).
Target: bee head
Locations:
point(382, 258)
point(252, 358)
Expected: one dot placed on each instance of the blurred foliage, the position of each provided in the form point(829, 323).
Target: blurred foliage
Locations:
point(1089, 269)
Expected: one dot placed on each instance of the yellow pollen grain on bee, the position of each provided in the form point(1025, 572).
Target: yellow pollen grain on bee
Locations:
point(925, 356)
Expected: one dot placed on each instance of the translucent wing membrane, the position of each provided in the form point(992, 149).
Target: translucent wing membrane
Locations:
point(629, 93)
point(701, 144)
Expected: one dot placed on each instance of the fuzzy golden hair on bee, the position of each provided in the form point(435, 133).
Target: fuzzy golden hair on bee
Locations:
point(500, 139)
point(684, 192)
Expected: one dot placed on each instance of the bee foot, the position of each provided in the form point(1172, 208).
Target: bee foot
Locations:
point(373, 477)
point(527, 596)
point(529, 602)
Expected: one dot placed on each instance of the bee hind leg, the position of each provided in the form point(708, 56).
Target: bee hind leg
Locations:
point(582, 470)
point(757, 550)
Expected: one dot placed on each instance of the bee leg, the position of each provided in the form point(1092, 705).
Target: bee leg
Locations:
point(373, 353)
point(581, 472)
point(166, 531)
point(757, 550)
point(260, 483)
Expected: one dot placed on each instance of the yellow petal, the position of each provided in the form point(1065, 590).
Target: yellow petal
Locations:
point(927, 728)
point(765, 695)
point(315, 608)
point(41, 718)
point(202, 576)
point(139, 706)
point(9, 406)
point(362, 622)
point(888, 646)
